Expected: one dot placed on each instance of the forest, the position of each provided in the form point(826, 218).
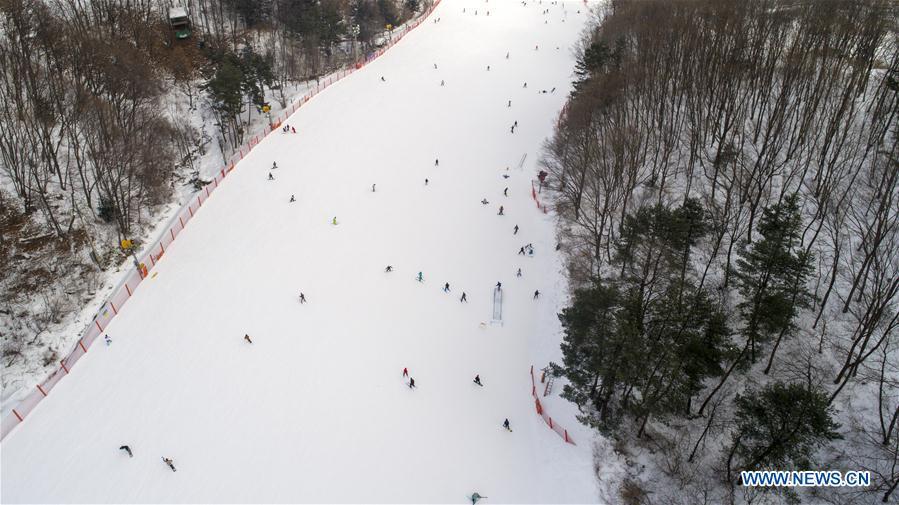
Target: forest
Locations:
point(107, 119)
point(725, 181)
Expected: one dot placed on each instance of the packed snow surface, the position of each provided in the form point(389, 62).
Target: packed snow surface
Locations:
point(316, 408)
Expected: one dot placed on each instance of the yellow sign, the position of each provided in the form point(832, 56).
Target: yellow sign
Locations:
point(126, 244)
point(266, 108)
point(389, 26)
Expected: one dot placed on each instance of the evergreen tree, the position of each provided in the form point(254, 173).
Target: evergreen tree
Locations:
point(780, 427)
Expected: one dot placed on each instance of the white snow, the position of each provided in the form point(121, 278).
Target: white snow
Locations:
point(316, 410)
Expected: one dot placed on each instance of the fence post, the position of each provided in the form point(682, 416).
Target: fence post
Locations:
point(114, 311)
point(17, 415)
point(98, 325)
point(64, 367)
point(81, 343)
point(566, 436)
point(41, 389)
point(550, 422)
point(128, 290)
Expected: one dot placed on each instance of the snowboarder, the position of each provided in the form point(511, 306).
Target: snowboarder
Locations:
point(506, 192)
point(446, 288)
point(442, 82)
point(475, 497)
point(552, 90)
point(372, 188)
point(108, 340)
point(389, 268)
point(274, 165)
point(499, 285)
point(525, 84)
point(488, 68)
point(515, 232)
point(334, 221)
point(507, 55)
point(426, 182)
point(464, 298)
point(515, 123)
point(247, 338)
point(405, 372)
point(420, 277)
point(521, 251)
point(383, 79)
point(292, 198)
point(168, 461)
point(270, 176)
point(128, 450)
point(435, 66)
point(411, 383)
point(293, 130)
point(509, 104)
point(477, 380)
point(302, 298)
point(518, 273)
point(512, 129)
point(437, 162)
point(536, 294)
point(500, 213)
point(506, 425)
point(484, 201)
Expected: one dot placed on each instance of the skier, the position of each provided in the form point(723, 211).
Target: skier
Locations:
point(383, 79)
point(464, 298)
point(525, 84)
point(518, 273)
point(302, 298)
point(500, 210)
point(536, 294)
point(446, 288)
point(477, 380)
point(108, 340)
point(435, 66)
point(506, 191)
point(506, 425)
point(168, 461)
point(372, 188)
point(247, 338)
point(521, 251)
point(128, 450)
point(405, 372)
point(515, 123)
point(426, 182)
point(512, 129)
point(420, 277)
point(507, 55)
point(389, 268)
point(509, 104)
point(488, 68)
point(475, 497)
point(553, 90)
point(293, 130)
point(334, 221)
point(484, 201)
point(270, 176)
point(411, 383)
point(274, 165)
point(442, 82)
point(292, 198)
point(499, 286)
point(436, 162)
point(515, 232)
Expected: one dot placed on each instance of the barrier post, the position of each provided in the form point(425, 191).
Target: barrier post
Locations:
point(17, 415)
point(41, 389)
point(64, 367)
point(81, 343)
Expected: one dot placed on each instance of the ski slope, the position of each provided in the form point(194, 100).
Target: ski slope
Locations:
point(316, 408)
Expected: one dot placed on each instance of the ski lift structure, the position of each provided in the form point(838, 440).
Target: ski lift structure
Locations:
point(180, 22)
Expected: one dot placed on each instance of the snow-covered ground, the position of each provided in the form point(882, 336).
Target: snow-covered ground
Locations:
point(316, 409)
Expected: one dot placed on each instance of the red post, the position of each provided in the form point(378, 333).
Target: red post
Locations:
point(114, 311)
point(172, 233)
point(81, 343)
point(98, 325)
point(207, 190)
point(550, 422)
point(191, 211)
point(161, 249)
point(181, 221)
point(223, 173)
point(199, 201)
point(64, 367)
point(566, 436)
point(128, 290)
point(41, 389)
point(17, 415)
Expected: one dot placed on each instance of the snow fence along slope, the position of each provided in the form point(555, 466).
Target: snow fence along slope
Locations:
point(315, 409)
point(154, 253)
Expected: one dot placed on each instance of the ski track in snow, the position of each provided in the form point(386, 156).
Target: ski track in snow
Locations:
point(316, 409)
